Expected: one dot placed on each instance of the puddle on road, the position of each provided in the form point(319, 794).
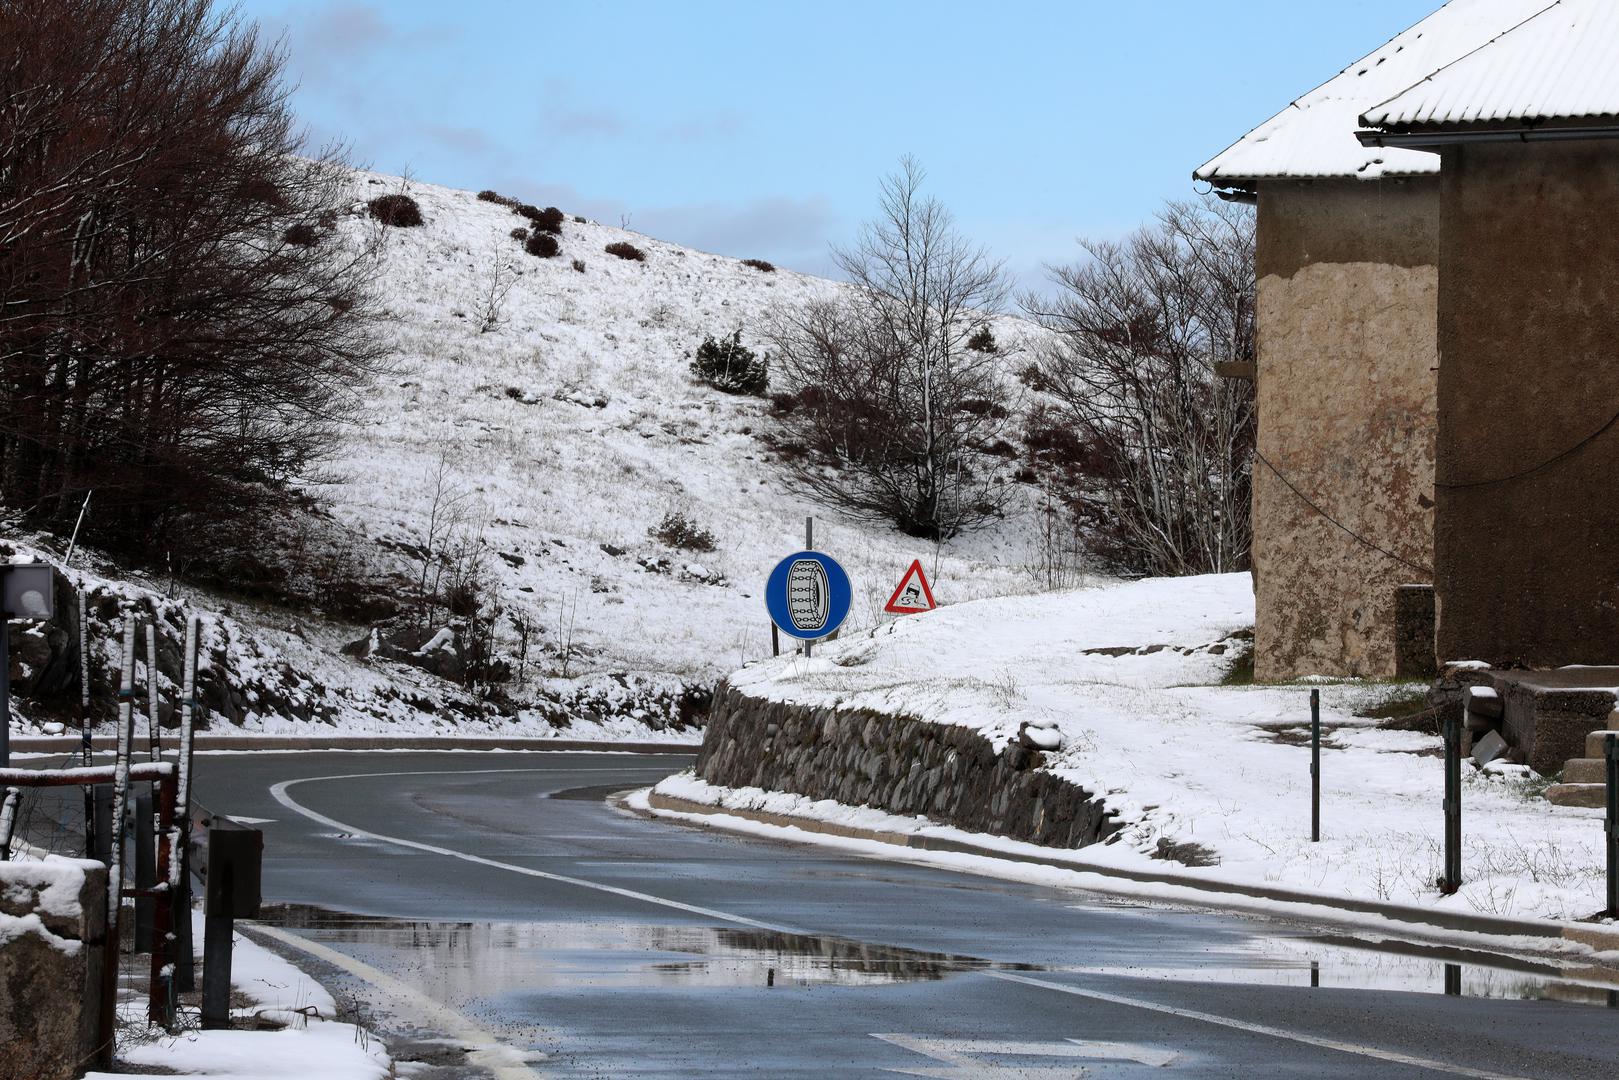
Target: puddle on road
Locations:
point(490, 958)
point(460, 960)
point(1349, 964)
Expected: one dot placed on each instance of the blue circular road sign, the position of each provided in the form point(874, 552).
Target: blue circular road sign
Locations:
point(808, 595)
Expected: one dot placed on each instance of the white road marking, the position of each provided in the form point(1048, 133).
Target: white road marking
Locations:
point(963, 1057)
point(279, 793)
point(1259, 1029)
point(483, 1048)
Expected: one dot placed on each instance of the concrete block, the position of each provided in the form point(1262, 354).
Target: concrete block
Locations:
point(1593, 796)
point(1488, 747)
point(1483, 701)
point(1596, 742)
point(1586, 771)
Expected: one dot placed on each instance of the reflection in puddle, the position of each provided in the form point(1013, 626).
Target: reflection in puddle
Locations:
point(1346, 964)
point(489, 958)
point(460, 960)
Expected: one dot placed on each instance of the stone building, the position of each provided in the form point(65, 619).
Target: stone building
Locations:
point(1526, 131)
point(1348, 354)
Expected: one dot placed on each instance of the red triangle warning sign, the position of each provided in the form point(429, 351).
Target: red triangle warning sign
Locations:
point(913, 594)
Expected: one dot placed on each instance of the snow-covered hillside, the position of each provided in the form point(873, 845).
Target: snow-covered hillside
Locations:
point(574, 425)
point(552, 440)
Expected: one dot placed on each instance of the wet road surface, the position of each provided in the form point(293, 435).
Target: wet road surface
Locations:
point(501, 895)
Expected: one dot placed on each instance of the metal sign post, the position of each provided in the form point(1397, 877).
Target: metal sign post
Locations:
point(809, 545)
point(1315, 766)
point(1612, 824)
point(1452, 879)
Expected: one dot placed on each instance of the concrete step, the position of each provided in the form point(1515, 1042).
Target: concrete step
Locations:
point(1613, 720)
point(1592, 795)
point(1585, 771)
point(1596, 742)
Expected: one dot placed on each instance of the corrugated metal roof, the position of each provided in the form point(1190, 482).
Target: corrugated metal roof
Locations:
point(1560, 64)
point(1314, 137)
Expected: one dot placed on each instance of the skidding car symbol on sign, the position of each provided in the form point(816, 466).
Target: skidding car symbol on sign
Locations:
point(913, 594)
point(808, 595)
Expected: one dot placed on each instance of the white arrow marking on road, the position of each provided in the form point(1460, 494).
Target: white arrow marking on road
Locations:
point(962, 1057)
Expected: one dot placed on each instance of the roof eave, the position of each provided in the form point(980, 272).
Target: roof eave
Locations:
point(1431, 137)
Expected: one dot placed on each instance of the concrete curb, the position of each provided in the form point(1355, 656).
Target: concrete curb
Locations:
point(1595, 937)
point(65, 744)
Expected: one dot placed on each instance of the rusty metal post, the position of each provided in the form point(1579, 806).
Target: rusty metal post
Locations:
point(160, 990)
point(145, 868)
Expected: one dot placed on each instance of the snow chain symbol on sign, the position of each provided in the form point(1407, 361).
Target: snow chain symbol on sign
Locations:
point(808, 595)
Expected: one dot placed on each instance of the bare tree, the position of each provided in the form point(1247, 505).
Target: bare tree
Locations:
point(1163, 446)
point(182, 326)
point(895, 399)
point(498, 281)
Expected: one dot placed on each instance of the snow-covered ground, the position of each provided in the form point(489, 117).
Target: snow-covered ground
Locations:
point(303, 1039)
point(1181, 757)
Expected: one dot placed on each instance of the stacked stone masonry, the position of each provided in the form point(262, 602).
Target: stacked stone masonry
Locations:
point(901, 765)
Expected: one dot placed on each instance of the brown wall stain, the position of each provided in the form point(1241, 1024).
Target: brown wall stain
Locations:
point(1348, 294)
point(1528, 529)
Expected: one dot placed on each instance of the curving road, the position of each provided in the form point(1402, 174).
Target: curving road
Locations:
point(498, 902)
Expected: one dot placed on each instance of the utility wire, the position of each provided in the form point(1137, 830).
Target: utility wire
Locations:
point(1548, 463)
point(1427, 570)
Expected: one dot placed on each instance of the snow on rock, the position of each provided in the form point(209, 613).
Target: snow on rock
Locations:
point(1131, 675)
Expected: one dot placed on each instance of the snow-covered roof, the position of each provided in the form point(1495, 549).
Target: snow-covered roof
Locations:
point(1314, 137)
point(1558, 64)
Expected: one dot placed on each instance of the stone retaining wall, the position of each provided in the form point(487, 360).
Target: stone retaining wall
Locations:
point(52, 938)
point(898, 764)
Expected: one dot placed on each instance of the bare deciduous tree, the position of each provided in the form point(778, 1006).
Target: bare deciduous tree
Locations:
point(1163, 444)
point(892, 409)
point(181, 328)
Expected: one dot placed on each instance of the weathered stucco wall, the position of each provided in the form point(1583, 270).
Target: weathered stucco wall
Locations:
point(1528, 527)
point(1347, 325)
point(906, 766)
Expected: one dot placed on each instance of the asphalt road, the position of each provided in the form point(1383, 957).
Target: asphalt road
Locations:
point(499, 898)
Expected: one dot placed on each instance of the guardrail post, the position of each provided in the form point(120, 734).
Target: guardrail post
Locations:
point(219, 926)
point(1612, 824)
point(1452, 879)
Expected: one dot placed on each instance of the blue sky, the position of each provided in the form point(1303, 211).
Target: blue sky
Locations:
point(761, 129)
